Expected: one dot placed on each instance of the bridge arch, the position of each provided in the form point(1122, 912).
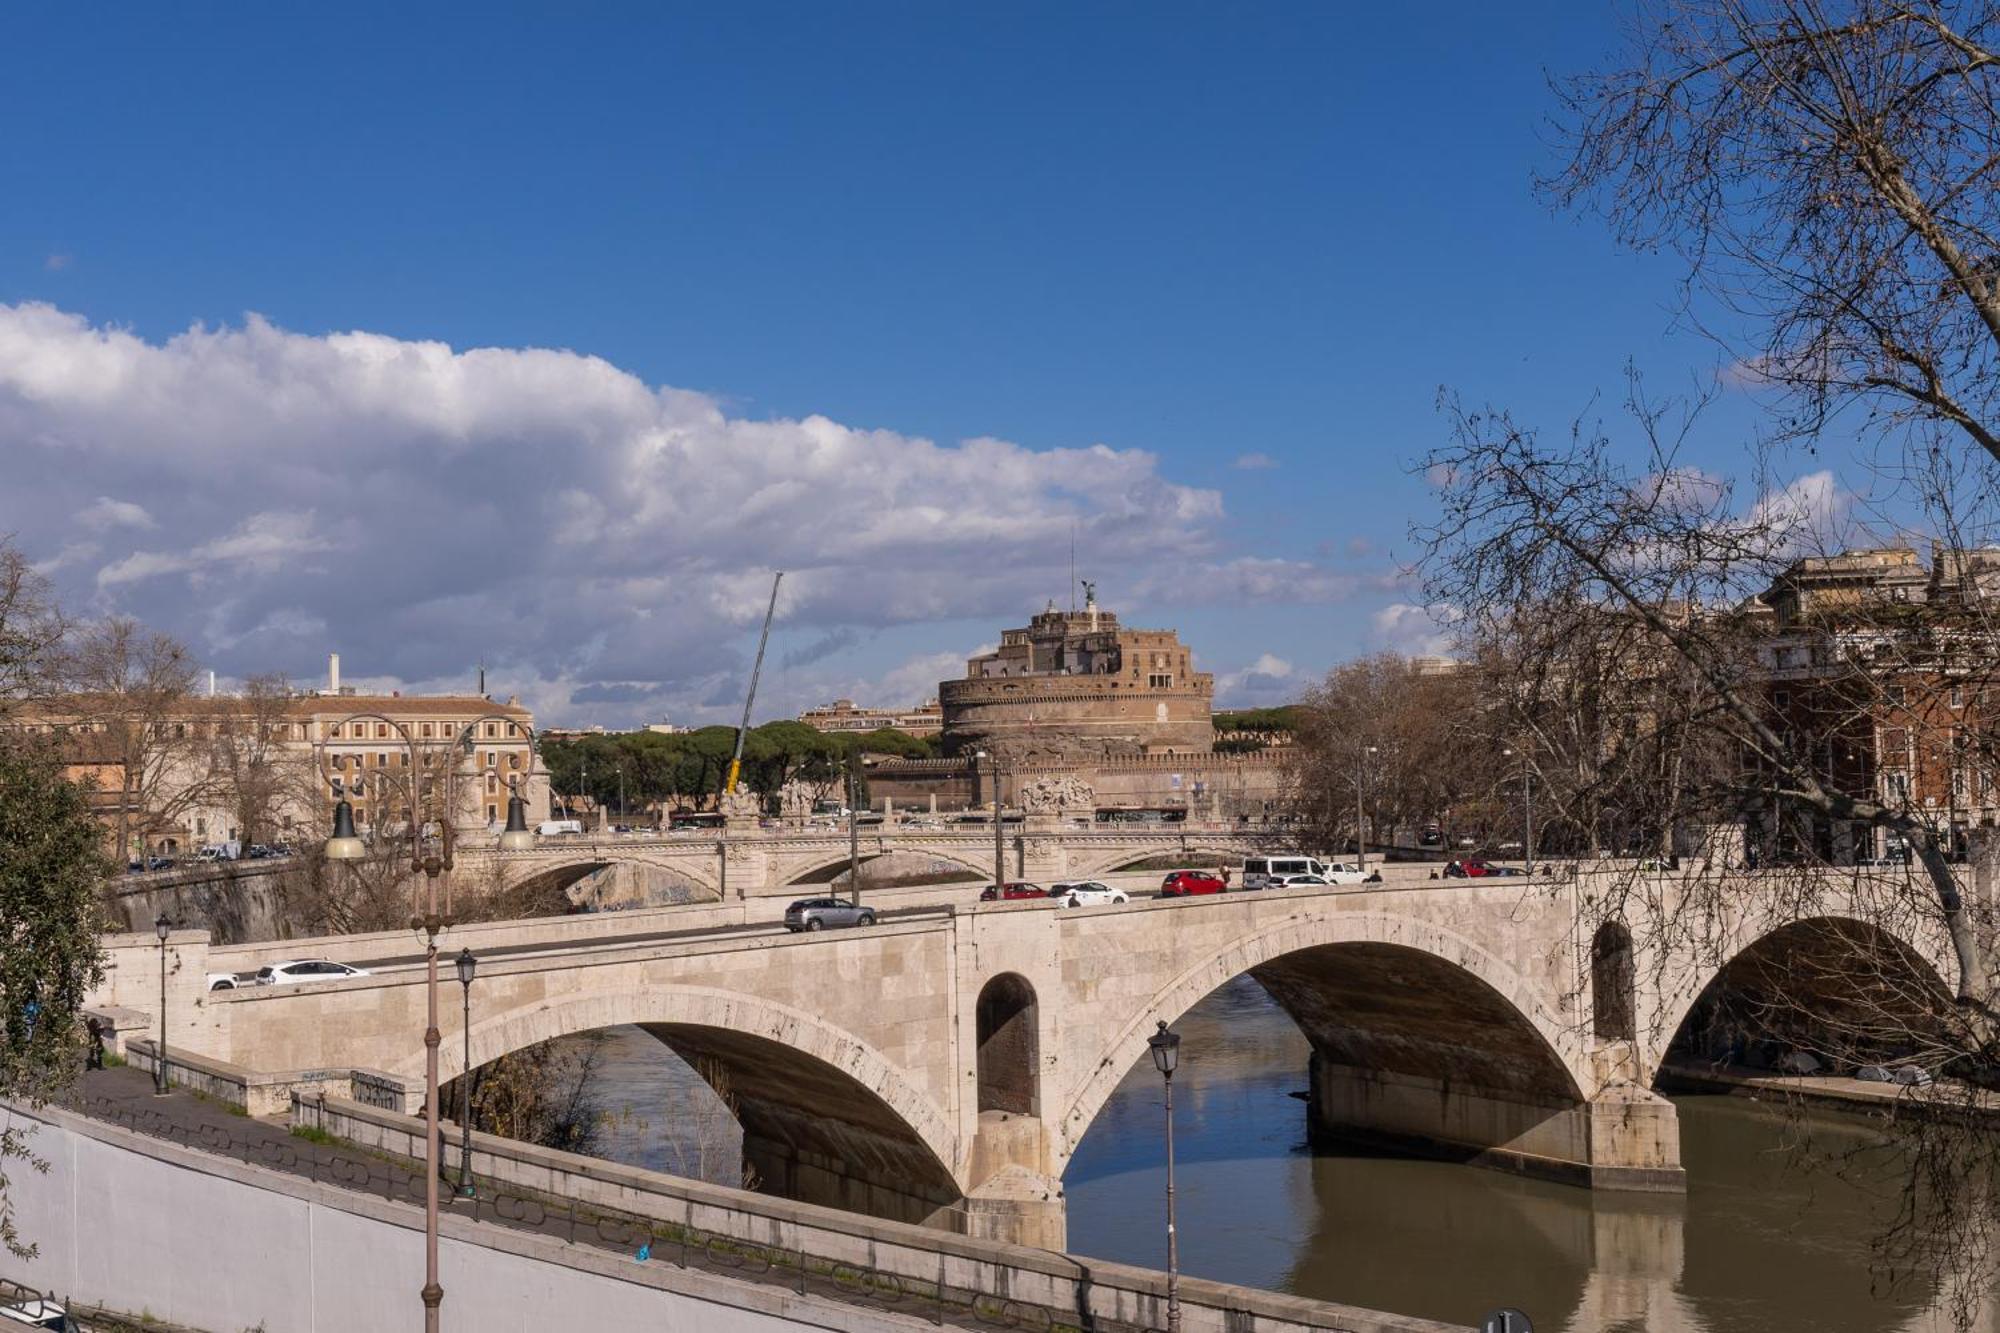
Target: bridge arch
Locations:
point(1111, 862)
point(1788, 978)
point(1372, 941)
point(844, 1119)
point(517, 869)
point(803, 872)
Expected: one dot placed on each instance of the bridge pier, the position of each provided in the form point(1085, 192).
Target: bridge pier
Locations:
point(1624, 1138)
point(1016, 1198)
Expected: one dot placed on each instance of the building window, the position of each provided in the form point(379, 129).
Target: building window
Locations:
point(427, 730)
point(491, 812)
point(381, 731)
point(1159, 682)
point(492, 729)
point(1781, 698)
point(1958, 696)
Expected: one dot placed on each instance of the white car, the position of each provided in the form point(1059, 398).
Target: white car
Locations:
point(223, 981)
point(1293, 881)
point(305, 969)
point(1087, 893)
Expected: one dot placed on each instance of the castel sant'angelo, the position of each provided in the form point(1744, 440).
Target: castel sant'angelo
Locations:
point(1076, 686)
point(1074, 697)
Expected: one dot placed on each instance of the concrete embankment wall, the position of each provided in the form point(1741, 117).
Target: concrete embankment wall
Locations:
point(136, 1224)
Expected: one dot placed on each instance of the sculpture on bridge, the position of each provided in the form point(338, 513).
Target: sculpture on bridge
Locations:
point(741, 804)
point(1056, 795)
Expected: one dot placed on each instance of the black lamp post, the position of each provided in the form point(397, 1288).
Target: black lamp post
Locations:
point(1165, 1045)
point(162, 928)
point(467, 965)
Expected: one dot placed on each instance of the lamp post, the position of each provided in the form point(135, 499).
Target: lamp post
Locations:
point(434, 863)
point(1361, 805)
point(853, 839)
point(999, 835)
point(1165, 1045)
point(467, 965)
point(162, 928)
point(1527, 812)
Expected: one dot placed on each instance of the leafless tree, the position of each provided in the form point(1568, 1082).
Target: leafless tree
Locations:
point(31, 628)
point(133, 689)
point(1827, 170)
point(260, 769)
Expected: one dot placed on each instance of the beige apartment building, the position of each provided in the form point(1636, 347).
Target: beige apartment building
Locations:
point(842, 717)
point(173, 776)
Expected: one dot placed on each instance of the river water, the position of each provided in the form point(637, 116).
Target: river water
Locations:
point(1760, 1243)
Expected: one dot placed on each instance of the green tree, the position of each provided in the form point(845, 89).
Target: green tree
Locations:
point(52, 872)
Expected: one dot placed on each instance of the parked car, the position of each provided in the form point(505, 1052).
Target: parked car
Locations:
point(305, 969)
point(1474, 868)
point(1911, 1076)
point(1185, 883)
point(826, 913)
point(150, 863)
point(1019, 888)
point(1294, 881)
point(224, 981)
point(1088, 893)
point(38, 1314)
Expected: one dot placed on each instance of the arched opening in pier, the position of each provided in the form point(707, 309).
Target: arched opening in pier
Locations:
point(896, 869)
point(1824, 995)
point(1009, 1045)
point(1613, 984)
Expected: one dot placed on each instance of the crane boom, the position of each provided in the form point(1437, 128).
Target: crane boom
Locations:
point(756, 670)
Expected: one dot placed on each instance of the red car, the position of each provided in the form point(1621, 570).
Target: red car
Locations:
point(1182, 883)
point(1020, 888)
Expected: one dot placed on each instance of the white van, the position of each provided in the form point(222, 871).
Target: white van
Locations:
point(1260, 872)
point(549, 828)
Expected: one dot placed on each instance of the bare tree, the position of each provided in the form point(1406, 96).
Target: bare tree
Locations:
point(1827, 169)
point(268, 779)
point(31, 628)
point(133, 689)
point(1383, 735)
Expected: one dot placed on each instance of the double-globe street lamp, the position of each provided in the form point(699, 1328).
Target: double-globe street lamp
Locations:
point(1165, 1045)
point(432, 858)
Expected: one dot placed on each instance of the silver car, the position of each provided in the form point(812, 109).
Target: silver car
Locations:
point(303, 969)
point(822, 913)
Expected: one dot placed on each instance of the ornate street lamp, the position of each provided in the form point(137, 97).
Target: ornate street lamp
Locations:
point(467, 965)
point(517, 836)
point(1165, 1045)
point(999, 835)
point(162, 928)
point(434, 862)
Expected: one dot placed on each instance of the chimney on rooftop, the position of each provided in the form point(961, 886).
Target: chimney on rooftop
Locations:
point(333, 673)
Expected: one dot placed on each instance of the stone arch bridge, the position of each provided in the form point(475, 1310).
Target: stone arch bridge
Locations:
point(943, 1065)
point(751, 862)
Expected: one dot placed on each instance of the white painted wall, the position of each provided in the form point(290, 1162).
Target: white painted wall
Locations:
point(131, 1224)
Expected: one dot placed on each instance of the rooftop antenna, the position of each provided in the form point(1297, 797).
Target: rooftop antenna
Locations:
point(1072, 566)
point(482, 678)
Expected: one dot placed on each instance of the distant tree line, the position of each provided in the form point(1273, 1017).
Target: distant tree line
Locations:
point(687, 769)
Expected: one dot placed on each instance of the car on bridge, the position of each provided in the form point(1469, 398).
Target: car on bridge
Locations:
point(822, 913)
point(297, 970)
point(1185, 883)
point(1474, 868)
point(1087, 893)
point(1011, 891)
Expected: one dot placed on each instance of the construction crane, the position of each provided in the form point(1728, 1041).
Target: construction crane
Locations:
point(736, 760)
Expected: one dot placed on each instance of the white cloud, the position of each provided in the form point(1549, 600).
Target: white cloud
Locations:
point(1254, 462)
point(417, 507)
point(105, 512)
point(1412, 630)
point(56, 263)
point(1266, 680)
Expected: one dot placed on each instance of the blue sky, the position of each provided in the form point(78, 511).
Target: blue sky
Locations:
point(1215, 235)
